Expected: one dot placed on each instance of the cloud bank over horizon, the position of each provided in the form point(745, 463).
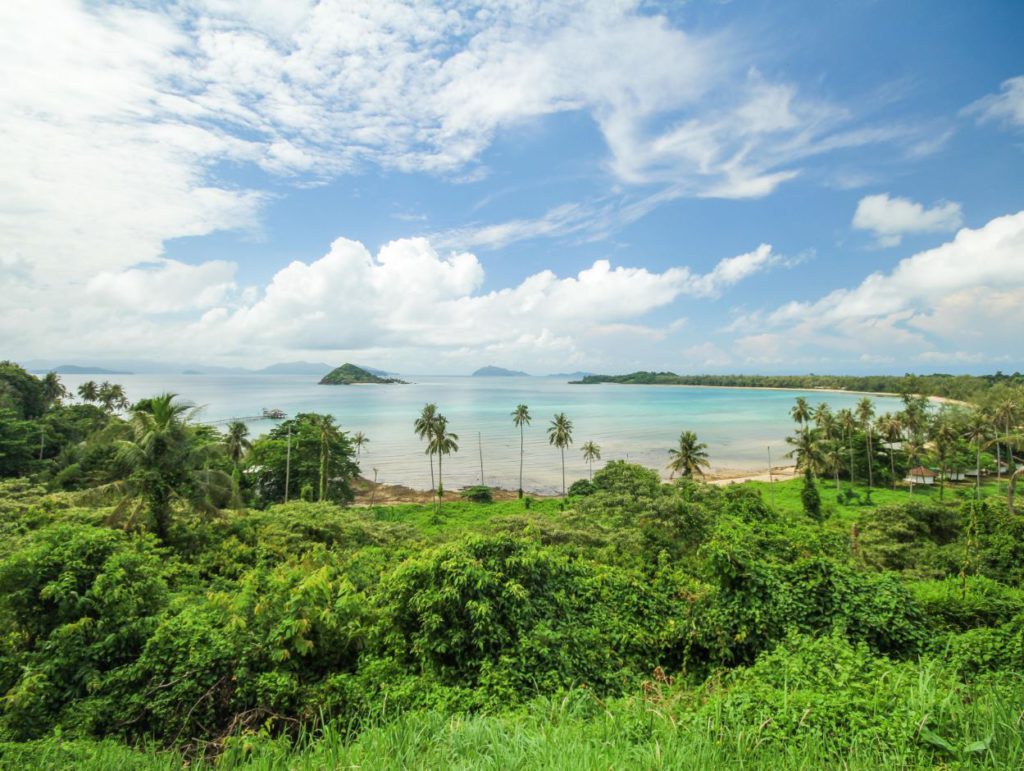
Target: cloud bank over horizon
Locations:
point(544, 187)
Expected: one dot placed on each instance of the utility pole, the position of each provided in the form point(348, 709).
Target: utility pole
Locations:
point(771, 479)
point(288, 465)
point(480, 446)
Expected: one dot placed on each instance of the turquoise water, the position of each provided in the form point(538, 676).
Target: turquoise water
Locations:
point(638, 423)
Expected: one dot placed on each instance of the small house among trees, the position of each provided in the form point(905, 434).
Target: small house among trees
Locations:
point(920, 476)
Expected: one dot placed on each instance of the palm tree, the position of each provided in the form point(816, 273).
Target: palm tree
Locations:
point(560, 435)
point(1005, 413)
point(591, 452)
point(891, 428)
point(112, 397)
point(806, 450)
point(689, 457)
point(848, 423)
point(521, 418)
point(832, 459)
point(359, 439)
point(237, 441)
point(944, 435)
point(88, 391)
point(443, 443)
point(865, 412)
point(167, 459)
point(801, 412)
point(978, 432)
point(328, 432)
point(424, 427)
point(53, 390)
point(914, 447)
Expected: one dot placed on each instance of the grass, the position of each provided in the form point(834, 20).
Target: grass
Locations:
point(576, 731)
point(787, 495)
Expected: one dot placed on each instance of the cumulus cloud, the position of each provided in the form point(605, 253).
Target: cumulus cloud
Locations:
point(892, 218)
point(408, 294)
point(1006, 107)
point(959, 295)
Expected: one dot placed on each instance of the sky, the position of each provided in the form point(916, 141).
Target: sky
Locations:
point(828, 187)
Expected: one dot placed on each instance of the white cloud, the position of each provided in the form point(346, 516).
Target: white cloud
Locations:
point(892, 218)
point(166, 287)
point(1006, 107)
point(958, 296)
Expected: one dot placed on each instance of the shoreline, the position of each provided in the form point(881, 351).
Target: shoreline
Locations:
point(390, 494)
point(938, 399)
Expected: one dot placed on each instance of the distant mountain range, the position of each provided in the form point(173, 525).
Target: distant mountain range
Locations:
point(491, 371)
point(312, 368)
point(74, 369)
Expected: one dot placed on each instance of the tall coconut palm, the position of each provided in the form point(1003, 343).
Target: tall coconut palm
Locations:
point(978, 431)
point(890, 427)
point(521, 418)
point(943, 435)
point(166, 459)
point(89, 391)
point(1005, 414)
point(236, 441)
point(424, 427)
point(591, 452)
point(560, 435)
point(689, 457)
point(865, 413)
point(442, 442)
point(328, 432)
point(913, 445)
point(832, 459)
point(359, 439)
point(848, 425)
point(801, 412)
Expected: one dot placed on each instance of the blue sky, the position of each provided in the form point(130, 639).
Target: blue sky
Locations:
point(702, 186)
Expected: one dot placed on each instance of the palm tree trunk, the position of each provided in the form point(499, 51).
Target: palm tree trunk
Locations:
point(871, 475)
point(433, 487)
point(520, 460)
point(892, 467)
point(1013, 488)
point(440, 484)
point(323, 470)
point(563, 471)
point(836, 470)
point(977, 470)
point(591, 471)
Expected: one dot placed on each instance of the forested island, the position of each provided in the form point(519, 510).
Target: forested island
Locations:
point(177, 594)
point(350, 374)
point(960, 387)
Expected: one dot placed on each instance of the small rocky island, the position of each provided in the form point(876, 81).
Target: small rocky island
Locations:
point(350, 374)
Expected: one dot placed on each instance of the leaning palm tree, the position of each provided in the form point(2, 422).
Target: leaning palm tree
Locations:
point(1005, 414)
point(689, 457)
point(978, 431)
point(832, 460)
point(424, 427)
point(944, 435)
point(167, 460)
point(442, 442)
point(591, 452)
point(891, 429)
point(865, 413)
point(236, 441)
point(521, 418)
point(560, 435)
point(359, 439)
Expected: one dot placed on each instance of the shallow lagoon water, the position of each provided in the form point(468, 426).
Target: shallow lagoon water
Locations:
point(638, 423)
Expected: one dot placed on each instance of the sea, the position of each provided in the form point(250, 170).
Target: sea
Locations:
point(741, 426)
